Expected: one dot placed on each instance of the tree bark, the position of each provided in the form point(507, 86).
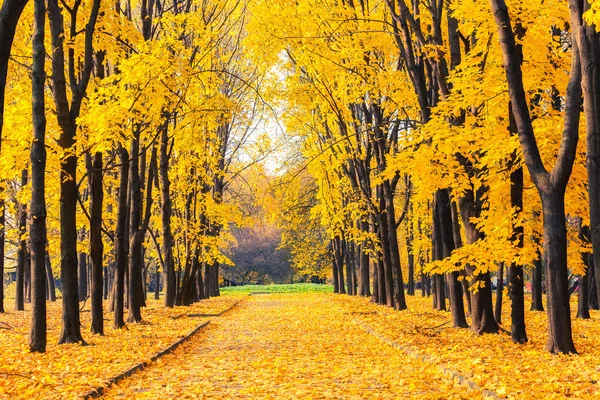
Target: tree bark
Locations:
point(516, 290)
point(82, 276)
point(20, 284)
point(592, 293)
point(588, 41)
point(482, 313)
point(536, 285)
point(167, 236)
point(445, 246)
point(120, 250)
point(51, 287)
point(37, 229)
point(499, 288)
point(96, 244)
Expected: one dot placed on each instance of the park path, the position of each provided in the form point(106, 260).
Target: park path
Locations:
point(288, 346)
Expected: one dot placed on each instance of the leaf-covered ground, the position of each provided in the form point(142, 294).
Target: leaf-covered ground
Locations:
point(288, 346)
point(302, 345)
point(492, 361)
point(68, 371)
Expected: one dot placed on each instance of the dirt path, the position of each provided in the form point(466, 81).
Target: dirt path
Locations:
point(288, 346)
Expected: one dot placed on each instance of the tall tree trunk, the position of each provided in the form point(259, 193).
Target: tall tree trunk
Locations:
point(96, 244)
point(444, 248)
point(201, 294)
point(583, 309)
point(37, 228)
point(592, 293)
point(120, 241)
point(482, 313)
point(551, 185)
point(398, 281)
point(386, 279)
point(207, 280)
point(134, 289)
point(82, 276)
point(49, 276)
point(499, 289)
point(458, 243)
point(516, 290)
point(589, 50)
point(167, 236)
point(560, 337)
point(411, 260)
point(214, 280)
point(536, 284)
point(339, 261)
point(21, 258)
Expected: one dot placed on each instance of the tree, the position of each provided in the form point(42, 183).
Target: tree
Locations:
point(37, 228)
point(550, 185)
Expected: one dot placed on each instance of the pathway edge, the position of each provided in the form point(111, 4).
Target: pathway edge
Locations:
point(99, 391)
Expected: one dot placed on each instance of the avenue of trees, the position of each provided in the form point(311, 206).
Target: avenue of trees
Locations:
point(124, 124)
point(445, 143)
point(430, 143)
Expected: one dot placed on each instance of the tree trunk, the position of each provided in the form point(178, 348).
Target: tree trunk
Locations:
point(50, 277)
point(120, 250)
point(20, 286)
point(157, 284)
point(167, 236)
point(339, 260)
point(411, 261)
point(444, 247)
point(551, 185)
point(515, 272)
point(458, 243)
point(398, 281)
point(386, 278)
point(37, 228)
point(200, 283)
point(499, 288)
point(589, 49)
point(482, 313)
point(592, 293)
point(583, 309)
point(207, 280)
point(560, 339)
point(536, 285)
point(214, 280)
point(82, 277)
point(96, 244)
point(134, 288)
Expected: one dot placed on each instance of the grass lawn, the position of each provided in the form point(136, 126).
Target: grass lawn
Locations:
point(283, 288)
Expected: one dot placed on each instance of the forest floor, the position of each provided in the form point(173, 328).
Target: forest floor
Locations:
point(69, 371)
point(288, 346)
point(303, 345)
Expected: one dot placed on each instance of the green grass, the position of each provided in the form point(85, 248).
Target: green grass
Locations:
point(283, 288)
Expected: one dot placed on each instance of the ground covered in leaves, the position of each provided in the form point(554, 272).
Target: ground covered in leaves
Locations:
point(69, 371)
point(492, 362)
point(288, 346)
point(303, 345)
